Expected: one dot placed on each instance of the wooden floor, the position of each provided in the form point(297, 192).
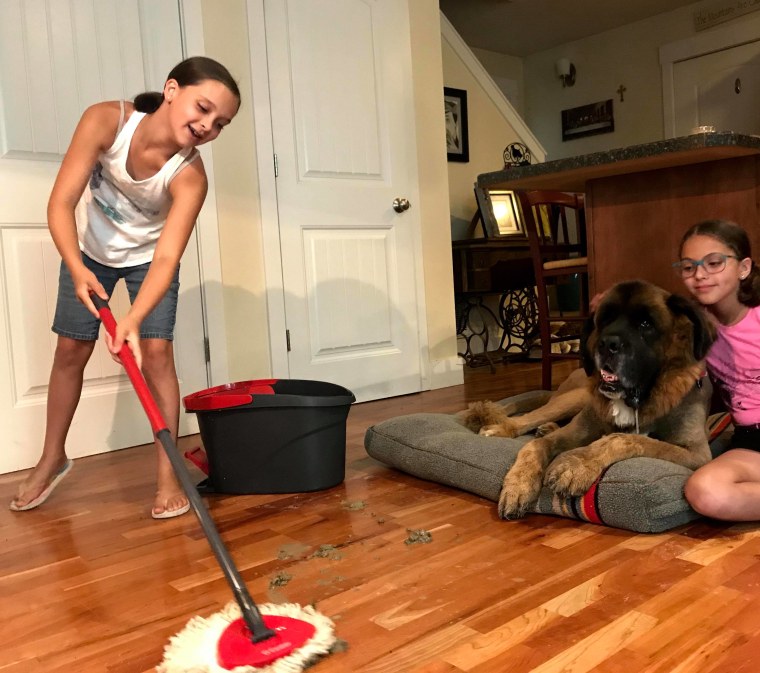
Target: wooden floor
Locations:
point(90, 583)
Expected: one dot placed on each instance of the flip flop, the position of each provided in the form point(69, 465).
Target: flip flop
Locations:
point(42, 497)
point(171, 513)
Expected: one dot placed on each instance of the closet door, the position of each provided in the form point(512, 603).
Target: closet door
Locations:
point(720, 89)
point(344, 136)
point(57, 58)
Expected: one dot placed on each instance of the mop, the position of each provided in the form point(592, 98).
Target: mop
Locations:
point(243, 637)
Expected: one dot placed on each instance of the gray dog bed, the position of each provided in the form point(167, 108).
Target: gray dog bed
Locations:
point(639, 494)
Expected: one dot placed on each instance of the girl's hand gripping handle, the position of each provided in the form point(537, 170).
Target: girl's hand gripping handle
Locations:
point(130, 365)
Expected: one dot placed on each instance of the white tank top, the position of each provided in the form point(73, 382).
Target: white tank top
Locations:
point(119, 219)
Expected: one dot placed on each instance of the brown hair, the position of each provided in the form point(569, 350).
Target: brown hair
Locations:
point(735, 238)
point(193, 70)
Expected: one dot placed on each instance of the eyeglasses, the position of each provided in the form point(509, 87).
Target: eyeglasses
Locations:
point(715, 262)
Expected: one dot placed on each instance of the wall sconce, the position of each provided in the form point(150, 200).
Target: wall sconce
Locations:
point(565, 71)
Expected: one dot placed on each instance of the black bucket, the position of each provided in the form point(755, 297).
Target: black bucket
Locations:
point(272, 435)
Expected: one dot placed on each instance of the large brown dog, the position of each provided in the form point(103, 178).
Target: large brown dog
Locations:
point(644, 394)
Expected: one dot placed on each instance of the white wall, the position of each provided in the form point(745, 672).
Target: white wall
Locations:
point(493, 123)
point(239, 208)
point(507, 73)
point(629, 56)
point(237, 200)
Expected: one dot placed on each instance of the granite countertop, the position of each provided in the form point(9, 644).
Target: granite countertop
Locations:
point(572, 173)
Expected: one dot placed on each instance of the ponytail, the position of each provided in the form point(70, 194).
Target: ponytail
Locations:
point(749, 288)
point(149, 101)
point(193, 70)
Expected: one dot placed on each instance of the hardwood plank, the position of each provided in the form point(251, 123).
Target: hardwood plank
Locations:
point(90, 583)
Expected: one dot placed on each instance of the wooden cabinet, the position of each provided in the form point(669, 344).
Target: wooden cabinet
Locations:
point(641, 199)
point(491, 265)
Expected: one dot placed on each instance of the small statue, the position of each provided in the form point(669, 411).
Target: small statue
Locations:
point(516, 154)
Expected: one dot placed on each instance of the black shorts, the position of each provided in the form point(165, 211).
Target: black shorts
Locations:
point(746, 437)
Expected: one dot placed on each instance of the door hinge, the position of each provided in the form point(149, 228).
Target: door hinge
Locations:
point(287, 339)
point(207, 349)
point(276, 167)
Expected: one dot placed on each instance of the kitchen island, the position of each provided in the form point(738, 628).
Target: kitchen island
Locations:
point(641, 199)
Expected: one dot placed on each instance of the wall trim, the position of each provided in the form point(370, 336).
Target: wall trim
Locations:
point(207, 228)
point(733, 34)
point(270, 229)
point(446, 373)
point(505, 108)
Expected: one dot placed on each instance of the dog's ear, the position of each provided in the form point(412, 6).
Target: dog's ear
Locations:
point(587, 355)
point(704, 330)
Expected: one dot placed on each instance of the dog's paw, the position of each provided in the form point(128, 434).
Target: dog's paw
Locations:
point(506, 428)
point(517, 497)
point(491, 431)
point(481, 414)
point(571, 475)
point(545, 428)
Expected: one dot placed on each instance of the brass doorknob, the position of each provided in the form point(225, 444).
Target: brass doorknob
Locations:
point(401, 204)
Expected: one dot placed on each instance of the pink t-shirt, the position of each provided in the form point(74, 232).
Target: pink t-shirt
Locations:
point(734, 366)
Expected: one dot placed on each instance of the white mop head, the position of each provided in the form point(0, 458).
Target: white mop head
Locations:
point(193, 650)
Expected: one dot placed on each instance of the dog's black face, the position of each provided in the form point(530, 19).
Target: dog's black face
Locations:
point(627, 354)
point(636, 331)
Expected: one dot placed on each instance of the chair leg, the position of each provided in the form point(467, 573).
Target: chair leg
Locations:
point(546, 373)
point(546, 354)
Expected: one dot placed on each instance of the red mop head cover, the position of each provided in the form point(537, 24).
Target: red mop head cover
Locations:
point(235, 647)
point(223, 642)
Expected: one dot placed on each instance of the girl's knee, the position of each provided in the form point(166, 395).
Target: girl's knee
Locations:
point(72, 353)
point(707, 493)
point(157, 357)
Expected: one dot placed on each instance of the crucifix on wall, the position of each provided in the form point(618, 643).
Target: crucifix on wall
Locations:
point(621, 90)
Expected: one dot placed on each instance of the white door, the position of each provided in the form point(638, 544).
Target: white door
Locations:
point(56, 58)
point(343, 132)
point(721, 89)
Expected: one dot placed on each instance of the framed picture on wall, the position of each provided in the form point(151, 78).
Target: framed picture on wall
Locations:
point(455, 110)
point(588, 120)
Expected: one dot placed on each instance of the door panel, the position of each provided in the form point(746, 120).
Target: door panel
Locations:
point(721, 89)
point(343, 128)
point(56, 58)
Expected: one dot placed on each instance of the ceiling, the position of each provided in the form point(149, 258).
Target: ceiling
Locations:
point(523, 27)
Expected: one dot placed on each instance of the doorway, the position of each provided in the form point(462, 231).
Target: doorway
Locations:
point(342, 269)
point(48, 78)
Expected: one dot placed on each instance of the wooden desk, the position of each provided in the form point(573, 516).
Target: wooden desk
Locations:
point(486, 267)
point(491, 265)
point(641, 199)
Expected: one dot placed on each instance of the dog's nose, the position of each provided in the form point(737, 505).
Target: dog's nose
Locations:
point(611, 344)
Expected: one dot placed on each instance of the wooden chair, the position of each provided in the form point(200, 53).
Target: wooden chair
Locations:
point(555, 225)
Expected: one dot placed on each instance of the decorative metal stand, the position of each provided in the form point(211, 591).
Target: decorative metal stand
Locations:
point(516, 317)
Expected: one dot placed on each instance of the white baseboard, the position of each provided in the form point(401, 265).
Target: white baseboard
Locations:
point(445, 373)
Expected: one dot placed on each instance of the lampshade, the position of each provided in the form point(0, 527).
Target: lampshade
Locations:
point(563, 67)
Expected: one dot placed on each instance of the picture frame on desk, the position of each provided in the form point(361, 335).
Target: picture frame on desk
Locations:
point(500, 213)
point(455, 111)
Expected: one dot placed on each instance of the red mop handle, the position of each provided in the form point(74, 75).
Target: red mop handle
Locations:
point(251, 615)
point(130, 365)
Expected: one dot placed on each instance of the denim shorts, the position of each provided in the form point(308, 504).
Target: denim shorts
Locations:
point(746, 437)
point(73, 320)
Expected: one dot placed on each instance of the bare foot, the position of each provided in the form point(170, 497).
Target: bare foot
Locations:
point(169, 503)
point(170, 498)
point(38, 480)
